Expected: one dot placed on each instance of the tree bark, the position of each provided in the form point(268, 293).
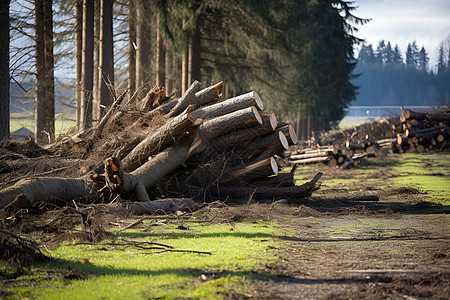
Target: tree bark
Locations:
point(4, 70)
point(87, 65)
point(312, 160)
point(262, 192)
point(266, 145)
point(254, 171)
point(290, 134)
point(194, 56)
point(78, 59)
point(45, 101)
point(131, 46)
point(32, 191)
point(149, 173)
point(160, 58)
point(228, 106)
point(158, 140)
point(187, 99)
point(162, 205)
point(143, 42)
point(106, 69)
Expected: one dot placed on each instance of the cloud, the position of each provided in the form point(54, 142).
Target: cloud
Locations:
point(403, 21)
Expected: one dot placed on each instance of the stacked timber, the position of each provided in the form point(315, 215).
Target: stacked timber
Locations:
point(423, 132)
point(198, 146)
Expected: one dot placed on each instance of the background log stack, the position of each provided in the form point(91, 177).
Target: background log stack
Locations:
point(411, 132)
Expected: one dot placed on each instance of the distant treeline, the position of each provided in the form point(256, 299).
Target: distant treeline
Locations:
point(385, 78)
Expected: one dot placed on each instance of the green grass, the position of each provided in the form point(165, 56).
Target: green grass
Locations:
point(429, 173)
point(238, 252)
point(63, 122)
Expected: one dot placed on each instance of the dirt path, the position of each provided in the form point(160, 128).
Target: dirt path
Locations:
point(334, 248)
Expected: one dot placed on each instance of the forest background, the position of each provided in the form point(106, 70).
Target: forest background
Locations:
point(298, 54)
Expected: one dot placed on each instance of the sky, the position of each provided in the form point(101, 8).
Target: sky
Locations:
point(403, 21)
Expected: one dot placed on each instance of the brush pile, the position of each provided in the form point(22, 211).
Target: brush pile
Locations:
point(196, 147)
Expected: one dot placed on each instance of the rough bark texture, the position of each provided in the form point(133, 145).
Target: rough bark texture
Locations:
point(132, 46)
point(4, 70)
point(31, 191)
point(158, 140)
point(187, 99)
point(228, 106)
point(87, 65)
point(78, 59)
point(160, 58)
point(150, 172)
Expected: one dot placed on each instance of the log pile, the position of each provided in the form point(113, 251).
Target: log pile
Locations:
point(411, 132)
point(198, 147)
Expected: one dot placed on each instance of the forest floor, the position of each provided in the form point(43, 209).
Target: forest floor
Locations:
point(328, 246)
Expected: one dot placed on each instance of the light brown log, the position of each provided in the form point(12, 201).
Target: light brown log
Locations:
point(245, 135)
point(148, 174)
point(187, 99)
point(228, 106)
point(254, 171)
point(154, 97)
point(313, 160)
point(159, 139)
point(290, 134)
point(242, 118)
point(271, 144)
point(31, 191)
point(310, 155)
point(198, 99)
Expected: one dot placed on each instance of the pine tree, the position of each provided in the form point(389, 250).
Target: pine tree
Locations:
point(423, 59)
point(380, 56)
point(397, 56)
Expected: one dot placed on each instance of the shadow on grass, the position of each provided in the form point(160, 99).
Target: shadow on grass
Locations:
point(189, 234)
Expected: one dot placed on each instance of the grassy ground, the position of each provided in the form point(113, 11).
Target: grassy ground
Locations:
point(312, 244)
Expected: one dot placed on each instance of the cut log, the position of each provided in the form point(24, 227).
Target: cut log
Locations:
point(310, 155)
point(414, 132)
point(281, 180)
point(154, 97)
point(242, 118)
point(187, 99)
point(28, 192)
point(160, 139)
point(254, 171)
point(271, 144)
point(138, 181)
point(313, 160)
point(290, 134)
point(260, 192)
point(229, 106)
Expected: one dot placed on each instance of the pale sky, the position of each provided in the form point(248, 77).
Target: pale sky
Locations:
point(403, 21)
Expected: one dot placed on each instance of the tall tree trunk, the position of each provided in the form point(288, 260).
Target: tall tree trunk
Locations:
point(78, 58)
point(131, 46)
point(106, 73)
point(143, 32)
point(45, 103)
point(96, 84)
point(88, 64)
point(169, 71)
point(4, 69)
point(185, 70)
point(194, 57)
point(160, 58)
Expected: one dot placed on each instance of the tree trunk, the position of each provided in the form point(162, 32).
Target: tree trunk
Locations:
point(158, 140)
point(269, 144)
point(160, 58)
point(290, 134)
point(87, 65)
point(228, 106)
point(106, 69)
point(4, 70)
point(27, 192)
point(143, 42)
point(96, 74)
point(131, 46)
point(194, 56)
point(185, 67)
point(187, 99)
point(255, 171)
point(78, 59)
point(45, 96)
point(162, 205)
point(138, 181)
point(170, 74)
